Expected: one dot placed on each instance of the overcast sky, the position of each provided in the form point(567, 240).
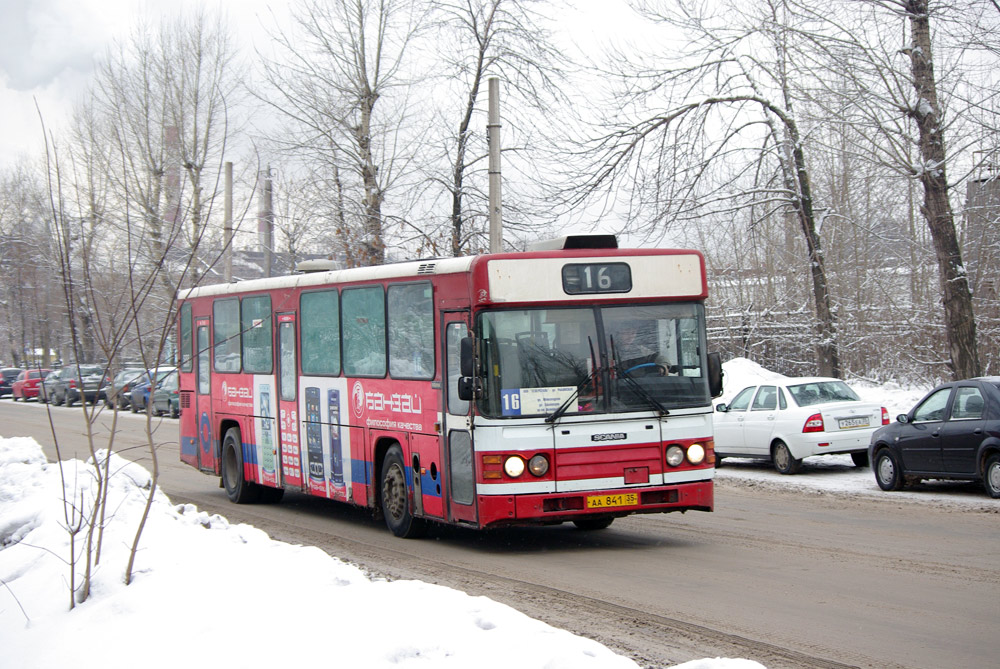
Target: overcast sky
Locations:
point(48, 49)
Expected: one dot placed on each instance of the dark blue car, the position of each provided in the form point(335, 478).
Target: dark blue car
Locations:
point(139, 396)
point(952, 433)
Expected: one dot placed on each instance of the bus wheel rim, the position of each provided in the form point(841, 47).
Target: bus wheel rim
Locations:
point(395, 492)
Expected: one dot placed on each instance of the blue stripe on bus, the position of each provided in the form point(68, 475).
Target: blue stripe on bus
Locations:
point(189, 446)
point(249, 454)
point(428, 486)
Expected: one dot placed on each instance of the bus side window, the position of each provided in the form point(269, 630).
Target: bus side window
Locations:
point(454, 334)
point(411, 331)
point(187, 339)
point(226, 324)
point(320, 331)
point(258, 357)
point(364, 331)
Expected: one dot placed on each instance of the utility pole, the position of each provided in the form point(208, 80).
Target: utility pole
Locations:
point(493, 136)
point(227, 222)
point(265, 222)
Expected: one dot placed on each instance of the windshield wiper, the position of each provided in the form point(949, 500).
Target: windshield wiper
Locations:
point(564, 407)
point(635, 385)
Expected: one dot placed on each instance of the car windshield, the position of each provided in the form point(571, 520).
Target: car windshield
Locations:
point(91, 370)
point(820, 392)
point(592, 359)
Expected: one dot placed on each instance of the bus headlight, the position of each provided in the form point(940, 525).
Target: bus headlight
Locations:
point(514, 466)
point(675, 455)
point(538, 465)
point(696, 454)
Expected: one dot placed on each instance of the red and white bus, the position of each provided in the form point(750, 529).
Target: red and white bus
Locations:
point(559, 384)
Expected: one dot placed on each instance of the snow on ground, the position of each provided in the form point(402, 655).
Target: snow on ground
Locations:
point(198, 591)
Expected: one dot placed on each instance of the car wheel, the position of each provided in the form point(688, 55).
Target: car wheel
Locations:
point(991, 476)
point(238, 489)
point(14, 397)
point(174, 411)
point(56, 399)
point(783, 460)
point(133, 408)
point(860, 458)
point(888, 473)
point(394, 497)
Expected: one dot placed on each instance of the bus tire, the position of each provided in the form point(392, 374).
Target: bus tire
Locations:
point(239, 490)
point(394, 497)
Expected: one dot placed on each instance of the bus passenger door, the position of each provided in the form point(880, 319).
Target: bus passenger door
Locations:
point(288, 418)
point(460, 477)
point(203, 399)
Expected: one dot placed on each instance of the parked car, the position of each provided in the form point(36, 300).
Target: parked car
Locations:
point(28, 384)
point(796, 418)
point(166, 396)
point(77, 381)
point(139, 395)
point(47, 384)
point(119, 390)
point(952, 433)
point(7, 377)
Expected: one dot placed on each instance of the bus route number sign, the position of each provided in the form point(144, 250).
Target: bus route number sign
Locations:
point(591, 278)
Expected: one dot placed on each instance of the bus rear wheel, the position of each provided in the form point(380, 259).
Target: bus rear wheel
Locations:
point(394, 497)
point(239, 490)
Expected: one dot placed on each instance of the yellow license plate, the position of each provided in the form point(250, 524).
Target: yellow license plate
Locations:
point(608, 501)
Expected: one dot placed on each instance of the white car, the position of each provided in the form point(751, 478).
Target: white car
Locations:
point(795, 418)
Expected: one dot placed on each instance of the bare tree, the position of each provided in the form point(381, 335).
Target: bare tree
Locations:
point(727, 101)
point(341, 81)
point(482, 38)
point(166, 94)
point(884, 50)
point(203, 93)
point(115, 205)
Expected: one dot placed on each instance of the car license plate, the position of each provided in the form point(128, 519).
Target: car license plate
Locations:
point(850, 423)
point(607, 501)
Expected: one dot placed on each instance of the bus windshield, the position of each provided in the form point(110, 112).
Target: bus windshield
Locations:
point(648, 357)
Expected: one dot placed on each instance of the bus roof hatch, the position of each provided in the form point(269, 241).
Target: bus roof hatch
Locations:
point(576, 242)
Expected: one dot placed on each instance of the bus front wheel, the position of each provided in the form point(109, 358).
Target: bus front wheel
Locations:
point(239, 490)
point(394, 497)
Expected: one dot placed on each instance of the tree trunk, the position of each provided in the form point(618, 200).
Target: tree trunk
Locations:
point(374, 245)
point(960, 322)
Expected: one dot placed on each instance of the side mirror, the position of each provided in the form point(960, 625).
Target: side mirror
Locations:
point(903, 418)
point(715, 374)
point(468, 389)
point(722, 408)
point(466, 364)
